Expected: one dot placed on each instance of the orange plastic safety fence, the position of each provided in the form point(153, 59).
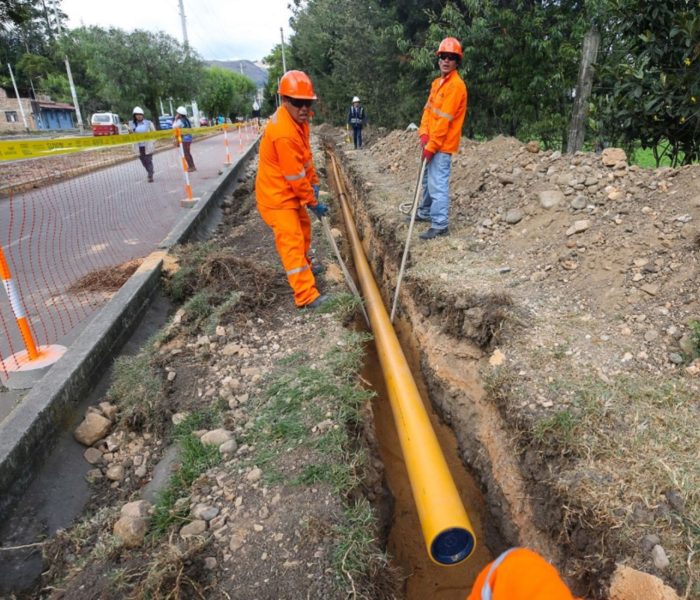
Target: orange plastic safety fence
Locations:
point(74, 226)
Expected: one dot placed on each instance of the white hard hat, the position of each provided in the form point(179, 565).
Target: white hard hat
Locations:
point(355, 99)
point(181, 110)
point(137, 110)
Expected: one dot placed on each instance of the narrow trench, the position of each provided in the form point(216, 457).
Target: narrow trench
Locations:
point(423, 578)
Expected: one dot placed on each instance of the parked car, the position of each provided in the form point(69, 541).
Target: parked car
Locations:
point(106, 123)
point(165, 121)
point(203, 122)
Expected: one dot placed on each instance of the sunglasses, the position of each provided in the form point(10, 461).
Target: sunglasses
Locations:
point(298, 103)
point(448, 56)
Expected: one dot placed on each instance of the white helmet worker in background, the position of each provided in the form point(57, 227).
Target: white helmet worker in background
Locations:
point(182, 122)
point(357, 119)
point(144, 149)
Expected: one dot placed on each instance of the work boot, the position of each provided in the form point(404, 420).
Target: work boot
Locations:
point(317, 268)
point(433, 233)
point(319, 302)
point(150, 179)
point(192, 169)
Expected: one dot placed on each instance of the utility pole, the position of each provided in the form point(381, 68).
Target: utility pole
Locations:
point(577, 128)
point(284, 60)
point(75, 97)
point(184, 27)
point(73, 93)
point(19, 100)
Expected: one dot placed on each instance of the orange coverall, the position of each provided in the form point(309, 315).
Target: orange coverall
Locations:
point(519, 574)
point(283, 190)
point(444, 113)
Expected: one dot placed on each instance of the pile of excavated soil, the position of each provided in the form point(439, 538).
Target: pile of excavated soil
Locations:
point(568, 286)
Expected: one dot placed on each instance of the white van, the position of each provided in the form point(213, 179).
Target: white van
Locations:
point(106, 123)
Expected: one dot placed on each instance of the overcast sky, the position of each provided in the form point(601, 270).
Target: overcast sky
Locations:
point(217, 29)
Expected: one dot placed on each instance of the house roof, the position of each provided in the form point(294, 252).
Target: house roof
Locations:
point(56, 105)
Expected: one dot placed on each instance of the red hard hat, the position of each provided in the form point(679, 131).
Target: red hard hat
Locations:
point(296, 84)
point(451, 45)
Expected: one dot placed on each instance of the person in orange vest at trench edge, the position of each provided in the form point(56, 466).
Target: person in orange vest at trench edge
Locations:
point(287, 184)
point(519, 574)
point(440, 132)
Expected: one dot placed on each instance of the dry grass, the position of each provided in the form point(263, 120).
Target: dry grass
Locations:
point(623, 457)
point(220, 272)
point(109, 279)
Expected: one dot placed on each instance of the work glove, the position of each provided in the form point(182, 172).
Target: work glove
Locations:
point(319, 209)
point(423, 140)
point(428, 155)
point(316, 190)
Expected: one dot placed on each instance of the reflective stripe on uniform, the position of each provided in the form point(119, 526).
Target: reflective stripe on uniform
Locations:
point(438, 112)
point(442, 114)
point(295, 177)
point(297, 270)
point(486, 591)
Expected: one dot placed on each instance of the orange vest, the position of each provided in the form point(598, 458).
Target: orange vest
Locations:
point(286, 167)
point(444, 113)
point(519, 574)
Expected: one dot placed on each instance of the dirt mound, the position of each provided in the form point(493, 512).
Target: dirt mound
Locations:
point(596, 380)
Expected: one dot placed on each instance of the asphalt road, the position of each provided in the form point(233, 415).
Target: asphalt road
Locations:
point(54, 235)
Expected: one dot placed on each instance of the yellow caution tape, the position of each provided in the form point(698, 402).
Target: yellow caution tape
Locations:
point(20, 149)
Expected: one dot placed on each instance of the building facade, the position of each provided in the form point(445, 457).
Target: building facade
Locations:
point(41, 113)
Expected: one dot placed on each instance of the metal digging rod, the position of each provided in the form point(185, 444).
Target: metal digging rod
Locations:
point(414, 209)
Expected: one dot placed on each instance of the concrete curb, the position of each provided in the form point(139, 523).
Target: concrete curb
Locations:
point(28, 432)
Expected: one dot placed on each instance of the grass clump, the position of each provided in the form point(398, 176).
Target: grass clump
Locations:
point(357, 558)
point(138, 390)
point(194, 459)
point(694, 327)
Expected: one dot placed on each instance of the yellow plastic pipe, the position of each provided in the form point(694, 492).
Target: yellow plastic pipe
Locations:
point(448, 533)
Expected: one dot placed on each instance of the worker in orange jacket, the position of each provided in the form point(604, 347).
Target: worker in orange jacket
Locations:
point(519, 574)
point(287, 184)
point(440, 132)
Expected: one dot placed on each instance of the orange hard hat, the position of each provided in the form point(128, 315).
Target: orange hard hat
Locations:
point(296, 84)
point(451, 45)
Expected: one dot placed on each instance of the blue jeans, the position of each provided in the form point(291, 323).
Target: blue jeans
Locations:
point(436, 200)
point(357, 136)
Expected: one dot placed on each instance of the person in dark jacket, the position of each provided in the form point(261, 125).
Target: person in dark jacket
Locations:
point(357, 118)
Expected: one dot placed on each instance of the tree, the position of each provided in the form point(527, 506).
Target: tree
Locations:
point(27, 27)
point(651, 87)
point(274, 72)
point(351, 49)
point(224, 92)
point(128, 69)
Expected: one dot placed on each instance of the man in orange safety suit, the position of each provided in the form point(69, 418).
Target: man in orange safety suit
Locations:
point(519, 574)
point(287, 184)
point(440, 132)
